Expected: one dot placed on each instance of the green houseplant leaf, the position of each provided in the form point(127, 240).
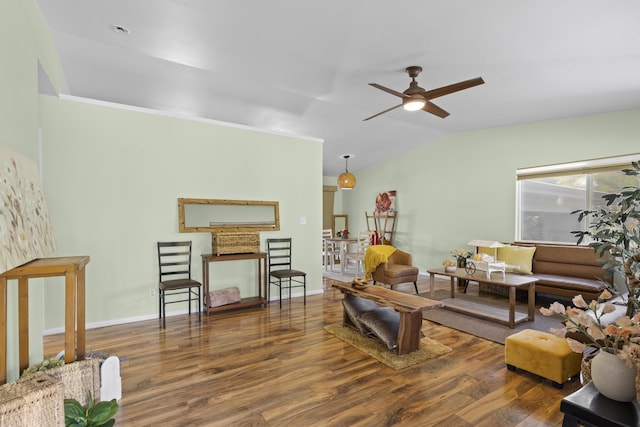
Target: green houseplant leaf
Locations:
point(74, 413)
point(101, 413)
point(614, 233)
point(98, 414)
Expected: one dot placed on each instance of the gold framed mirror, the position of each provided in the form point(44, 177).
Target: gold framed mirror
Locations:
point(220, 215)
point(340, 222)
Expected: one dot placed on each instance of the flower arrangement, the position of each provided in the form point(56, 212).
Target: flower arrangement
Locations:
point(461, 254)
point(621, 337)
point(43, 366)
point(448, 263)
point(343, 233)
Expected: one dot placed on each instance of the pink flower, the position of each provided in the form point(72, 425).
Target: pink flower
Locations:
point(605, 295)
point(546, 312)
point(608, 308)
point(576, 346)
point(579, 301)
point(562, 332)
point(621, 337)
point(555, 308)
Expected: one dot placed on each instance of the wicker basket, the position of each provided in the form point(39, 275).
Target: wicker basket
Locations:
point(79, 378)
point(585, 366)
point(36, 400)
point(235, 243)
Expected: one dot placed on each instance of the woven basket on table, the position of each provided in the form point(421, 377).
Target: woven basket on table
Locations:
point(79, 379)
point(235, 243)
point(36, 400)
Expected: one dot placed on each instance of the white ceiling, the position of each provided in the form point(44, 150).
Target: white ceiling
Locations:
point(303, 67)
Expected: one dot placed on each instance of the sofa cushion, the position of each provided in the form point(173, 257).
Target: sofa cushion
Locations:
point(383, 322)
point(371, 319)
point(574, 261)
point(575, 284)
point(518, 257)
point(397, 271)
point(354, 306)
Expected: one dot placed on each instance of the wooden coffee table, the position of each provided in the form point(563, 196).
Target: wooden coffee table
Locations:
point(409, 306)
point(510, 281)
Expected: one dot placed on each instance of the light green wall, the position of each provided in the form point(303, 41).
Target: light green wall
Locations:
point(109, 199)
point(462, 187)
point(24, 41)
point(114, 177)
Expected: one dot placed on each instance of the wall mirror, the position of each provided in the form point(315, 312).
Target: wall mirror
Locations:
point(218, 215)
point(340, 222)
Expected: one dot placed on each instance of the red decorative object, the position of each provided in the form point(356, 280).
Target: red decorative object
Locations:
point(386, 202)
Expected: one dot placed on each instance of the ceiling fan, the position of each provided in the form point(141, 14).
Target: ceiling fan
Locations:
point(417, 98)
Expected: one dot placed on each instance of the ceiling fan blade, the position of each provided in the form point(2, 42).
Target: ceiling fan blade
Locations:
point(382, 112)
point(432, 108)
point(446, 90)
point(391, 91)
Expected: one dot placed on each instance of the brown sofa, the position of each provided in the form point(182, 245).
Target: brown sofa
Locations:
point(565, 270)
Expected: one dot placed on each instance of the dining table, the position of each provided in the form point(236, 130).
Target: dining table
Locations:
point(343, 244)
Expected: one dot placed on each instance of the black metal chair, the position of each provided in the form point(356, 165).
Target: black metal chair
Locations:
point(174, 261)
point(279, 253)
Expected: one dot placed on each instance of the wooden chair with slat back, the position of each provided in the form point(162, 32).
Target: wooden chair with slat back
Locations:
point(364, 240)
point(174, 262)
point(329, 249)
point(280, 271)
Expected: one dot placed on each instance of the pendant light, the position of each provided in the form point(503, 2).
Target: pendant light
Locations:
point(346, 180)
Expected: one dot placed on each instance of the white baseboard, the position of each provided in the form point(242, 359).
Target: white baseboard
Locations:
point(93, 325)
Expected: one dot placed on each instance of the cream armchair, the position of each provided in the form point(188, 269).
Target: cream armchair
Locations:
point(398, 269)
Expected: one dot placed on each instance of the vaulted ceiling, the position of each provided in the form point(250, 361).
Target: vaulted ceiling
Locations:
point(303, 67)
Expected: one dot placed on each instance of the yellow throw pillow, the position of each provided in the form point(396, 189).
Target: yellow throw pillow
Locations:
point(487, 251)
point(518, 258)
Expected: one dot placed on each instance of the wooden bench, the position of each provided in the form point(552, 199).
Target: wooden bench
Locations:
point(408, 306)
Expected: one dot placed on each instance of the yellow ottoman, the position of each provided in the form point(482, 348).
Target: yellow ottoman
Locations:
point(542, 354)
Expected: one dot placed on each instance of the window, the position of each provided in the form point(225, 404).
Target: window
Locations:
point(547, 195)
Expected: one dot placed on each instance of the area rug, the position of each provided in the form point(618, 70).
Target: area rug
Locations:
point(429, 348)
point(482, 328)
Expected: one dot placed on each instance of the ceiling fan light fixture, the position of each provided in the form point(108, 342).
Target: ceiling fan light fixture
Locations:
point(346, 180)
point(414, 103)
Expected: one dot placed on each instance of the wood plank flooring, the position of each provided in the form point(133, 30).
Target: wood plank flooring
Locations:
point(278, 367)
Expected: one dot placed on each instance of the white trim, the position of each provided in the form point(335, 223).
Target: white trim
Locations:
point(95, 325)
point(125, 107)
point(577, 166)
point(126, 320)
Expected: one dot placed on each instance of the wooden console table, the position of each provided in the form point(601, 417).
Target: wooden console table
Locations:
point(73, 269)
point(409, 306)
point(261, 299)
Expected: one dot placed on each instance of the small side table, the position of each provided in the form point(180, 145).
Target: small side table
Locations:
point(72, 268)
point(589, 408)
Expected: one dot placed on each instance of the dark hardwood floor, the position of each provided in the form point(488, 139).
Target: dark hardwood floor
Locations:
point(278, 367)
